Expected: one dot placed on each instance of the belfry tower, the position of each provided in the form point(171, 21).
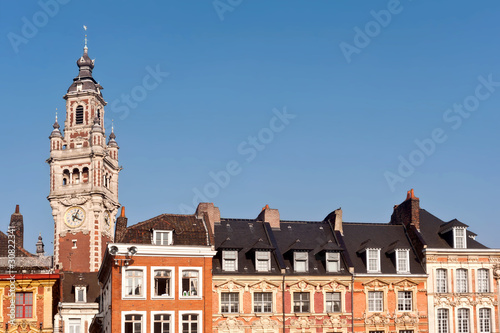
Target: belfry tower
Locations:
point(83, 176)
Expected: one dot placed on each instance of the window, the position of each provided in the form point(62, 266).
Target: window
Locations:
point(300, 262)
point(24, 305)
point(262, 302)
point(484, 320)
point(402, 261)
point(162, 323)
point(74, 325)
point(441, 281)
point(373, 260)
point(404, 300)
point(406, 331)
point(79, 115)
point(460, 241)
point(230, 260)
point(463, 321)
point(332, 262)
point(229, 302)
point(190, 281)
point(162, 237)
point(333, 302)
point(80, 294)
point(442, 321)
point(133, 323)
point(375, 301)
point(162, 282)
point(189, 323)
point(461, 280)
point(263, 261)
point(483, 281)
point(134, 282)
point(300, 302)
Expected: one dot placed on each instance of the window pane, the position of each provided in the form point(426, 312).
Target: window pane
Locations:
point(441, 281)
point(442, 319)
point(483, 281)
point(461, 280)
point(404, 300)
point(484, 320)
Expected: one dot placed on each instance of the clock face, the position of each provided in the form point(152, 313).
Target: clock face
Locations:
point(74, 217)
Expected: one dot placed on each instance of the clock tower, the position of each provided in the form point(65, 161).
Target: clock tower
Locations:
point(83, 176)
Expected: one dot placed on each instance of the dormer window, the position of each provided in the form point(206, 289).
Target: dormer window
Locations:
point(403, 261)
point(332, 262)
point(300, 261)
point(79, 87)
point(459, 239)
point(262, 261)
point(229, 260)
point(80, 294)
point(162, 237)
point(373, 260)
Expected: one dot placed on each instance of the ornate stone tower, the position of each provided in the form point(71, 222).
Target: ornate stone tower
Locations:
point(83, 176)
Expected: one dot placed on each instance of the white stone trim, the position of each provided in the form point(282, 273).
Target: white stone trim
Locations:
point(172, 251)
point(172, 282)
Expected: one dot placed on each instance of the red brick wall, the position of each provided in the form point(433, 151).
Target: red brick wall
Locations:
point(76, 260)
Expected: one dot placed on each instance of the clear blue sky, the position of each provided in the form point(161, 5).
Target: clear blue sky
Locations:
point(360, 100)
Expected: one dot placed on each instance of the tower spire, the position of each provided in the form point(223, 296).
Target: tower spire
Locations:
point(85, 49)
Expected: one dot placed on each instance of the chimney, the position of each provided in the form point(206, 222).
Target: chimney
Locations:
point(408, 212)
point(17, 225)
point(39, 246)
point(335, 219)
point(272, 216)
point(121, 226)
point(212, 214)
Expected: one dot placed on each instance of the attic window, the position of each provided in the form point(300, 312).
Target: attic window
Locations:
point(79, 87)
point(162, 237)
point(332, 262)
point(373, 260)
point(80, 295)
point(79, 115)
point(300, 262)
point(230, 260)
point(402, 261)
point(459, 239)
point(262, 261)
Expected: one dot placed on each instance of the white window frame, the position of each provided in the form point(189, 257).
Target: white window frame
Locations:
point(462, 282)
point(163, 233)
point(262, 259)
point(445, 321)
point(144, 282)
point(172, 319)
point(332, 301)
point(372, 300)
point(330, 259)
point(81, 288)
point(302, 257)
point(376, 257)
point(226, 257)
point(200, 282)
point(309, 300)
point(143, 319)
point(403, 261)
point(73, 324)
point(238, 295)
point(153, 284)
point(461, 321)
point(482, 281)
point(456, 238)
point(403, 301)
point(442, 280)
point(263, 302)
point(480, 320)
point(200, 319)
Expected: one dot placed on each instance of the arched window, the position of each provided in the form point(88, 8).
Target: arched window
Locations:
point(442, 321)
point(79, 115)
point(99, 115)
point(66, 177)
point(484, 320)
point(85, 175)
point(76, 176)
point(463, 323)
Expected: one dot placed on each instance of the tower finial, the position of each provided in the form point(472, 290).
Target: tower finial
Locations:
point(85, 28)
point(56, 115)
point(112, 126)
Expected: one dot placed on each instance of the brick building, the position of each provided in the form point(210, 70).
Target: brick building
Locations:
point(157, 277)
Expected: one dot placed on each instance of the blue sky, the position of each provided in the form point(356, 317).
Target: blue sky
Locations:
point(355, 85)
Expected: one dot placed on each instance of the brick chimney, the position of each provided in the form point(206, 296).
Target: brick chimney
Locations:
point(16, 223)
point(408, 212)
point(272, 216)
point(335, 219)
point(121, 226)
point(211, 212)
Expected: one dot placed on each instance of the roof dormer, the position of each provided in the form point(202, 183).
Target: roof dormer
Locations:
point(455, 233)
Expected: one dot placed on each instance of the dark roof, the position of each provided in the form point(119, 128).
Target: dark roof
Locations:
point(375, 235)
point(452, 224)
point(431, 226)
point(250, 235)
point(72, 279)
point(4, 248)
point(187, 230)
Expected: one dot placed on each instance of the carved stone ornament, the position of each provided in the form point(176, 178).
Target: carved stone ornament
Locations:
point(301, 322)
point(405, 283)
point(265, 323)
point(496, 271)
point(406, 319)
point(335, 321)
point(431, 258)
point(74, 201)
point(376, 283)
point(334, 286)
point(230, 324)
point(264, 286)
point(303, 286)
point(444, 301)
point(377, 319)
point(230, 286)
